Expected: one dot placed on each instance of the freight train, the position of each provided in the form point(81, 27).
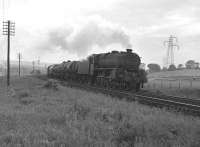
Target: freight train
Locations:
point(113, 70)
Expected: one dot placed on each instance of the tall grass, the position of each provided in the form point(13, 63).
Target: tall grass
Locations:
point(69, 117)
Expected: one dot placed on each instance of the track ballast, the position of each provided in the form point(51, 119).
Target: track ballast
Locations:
point(172, 103)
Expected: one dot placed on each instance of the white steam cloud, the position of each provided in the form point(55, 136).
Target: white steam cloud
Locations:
point(81, 42)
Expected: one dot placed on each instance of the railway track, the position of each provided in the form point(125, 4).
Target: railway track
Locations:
point(180, 104)
point(174, 103)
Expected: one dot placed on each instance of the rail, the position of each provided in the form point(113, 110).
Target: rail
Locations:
point(180, 104)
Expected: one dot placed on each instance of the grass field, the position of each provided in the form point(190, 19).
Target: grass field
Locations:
point(177, 74)
point(39, 113)
point(185, 83)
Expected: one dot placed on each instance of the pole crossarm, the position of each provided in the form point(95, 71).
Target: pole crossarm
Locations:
point(9, 28)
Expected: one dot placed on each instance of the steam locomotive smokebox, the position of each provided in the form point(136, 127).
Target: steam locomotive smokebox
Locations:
point(117, 59)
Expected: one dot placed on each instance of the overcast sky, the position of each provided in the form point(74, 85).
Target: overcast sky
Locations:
point(57, 30)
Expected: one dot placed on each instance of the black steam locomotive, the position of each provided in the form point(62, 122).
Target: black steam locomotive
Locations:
point(115, 70)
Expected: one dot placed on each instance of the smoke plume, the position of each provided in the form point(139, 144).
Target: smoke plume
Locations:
point(81, 42)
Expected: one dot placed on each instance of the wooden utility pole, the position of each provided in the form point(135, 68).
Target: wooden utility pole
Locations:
point(33, 63)
point(8, 30)
point(38, 62)
point(19, 57)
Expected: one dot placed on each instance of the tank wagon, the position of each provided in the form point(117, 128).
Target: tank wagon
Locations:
point(117, 70)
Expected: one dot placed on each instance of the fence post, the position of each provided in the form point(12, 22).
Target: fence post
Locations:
point(170, 84)
point(161, 83)
point(154, 85)
point(191, 83)
point(179, 84)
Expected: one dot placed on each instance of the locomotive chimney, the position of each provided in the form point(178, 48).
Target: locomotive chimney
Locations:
point(129, 50)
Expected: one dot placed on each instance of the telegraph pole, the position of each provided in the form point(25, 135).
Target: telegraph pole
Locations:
point(38, 62)
point(19, 57)
point(8, 30)
point(33, 63)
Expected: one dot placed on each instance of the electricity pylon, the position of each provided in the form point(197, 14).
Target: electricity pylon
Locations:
point(171, 44)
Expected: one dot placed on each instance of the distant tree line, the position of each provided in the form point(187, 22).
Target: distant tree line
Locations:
point(190, 64)
point(153, 67)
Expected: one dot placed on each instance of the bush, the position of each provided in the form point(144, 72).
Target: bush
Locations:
point(23, 94)
point(35, 72)
point(154, 67)
point(172, 67)
point(51, 84)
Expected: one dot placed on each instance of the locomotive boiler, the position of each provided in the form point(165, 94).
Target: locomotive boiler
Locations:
point(117, 70)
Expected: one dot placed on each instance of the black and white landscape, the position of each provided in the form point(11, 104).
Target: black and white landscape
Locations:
point(97, 73)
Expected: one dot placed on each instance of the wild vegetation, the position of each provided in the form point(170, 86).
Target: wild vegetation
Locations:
point(35, 112)
point(190, 64)
point(184, 83)
point(184, 73)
